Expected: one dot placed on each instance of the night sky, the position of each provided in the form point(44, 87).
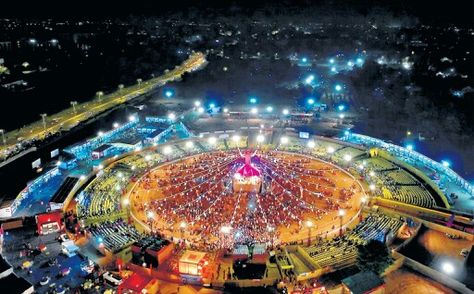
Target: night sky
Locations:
point(457, 11)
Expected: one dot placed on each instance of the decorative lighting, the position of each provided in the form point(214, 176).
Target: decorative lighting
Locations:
point(212, 140)
point(167, 150)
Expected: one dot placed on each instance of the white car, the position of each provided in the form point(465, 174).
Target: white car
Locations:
point(45, 280)
point(112, 278)
point(63, 238)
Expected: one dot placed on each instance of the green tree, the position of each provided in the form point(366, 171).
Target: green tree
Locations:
point(373, 256)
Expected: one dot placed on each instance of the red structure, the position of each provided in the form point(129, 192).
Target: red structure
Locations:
point(247, 178)
point(138, 284)
point(49, 223)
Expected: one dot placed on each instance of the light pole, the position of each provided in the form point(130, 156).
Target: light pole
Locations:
point(341, 214)
point(182, 227)
point(73, 104)
point(151, 217)
point(362, 203)
point(99, 95)
point(43, 117)
point(271, 230)
point(225, 230)
point(309, 225)
point(3, 137)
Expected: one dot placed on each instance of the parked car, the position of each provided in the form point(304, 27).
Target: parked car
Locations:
point(45, 280)
point(464, 252)
point(63, 238)
point(112, 278)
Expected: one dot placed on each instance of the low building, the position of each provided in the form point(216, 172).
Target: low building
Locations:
point(363, 283)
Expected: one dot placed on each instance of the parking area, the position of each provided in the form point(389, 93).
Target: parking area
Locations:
point(41, 261)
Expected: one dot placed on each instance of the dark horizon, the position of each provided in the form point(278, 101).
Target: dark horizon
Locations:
point(429, 12)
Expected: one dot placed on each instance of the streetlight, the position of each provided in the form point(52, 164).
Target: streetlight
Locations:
point(309, 225)
point(285, 111)
point(448, 268)
point(212, 140)
point(99, 95)
point(271, 230)
point(363, 201)
point(189, 144)
point(341, 214)
point(151, 215)
point(197, 103)
point(269, 109)
point(43, 117)
point(254, 110)
point(182, 227)
point(338, 87)
point(225, 230)
point(73, 104)
point(236, 138)
point(3, 136)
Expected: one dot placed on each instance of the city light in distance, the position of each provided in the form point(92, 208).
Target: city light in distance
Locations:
point(311, 144)
point(171, 116)
point(338, 87)
point(212, 105)
point(310, 101)
point(284, 140)
point(331, 61)
point(116, 125)
point(201, 110)
point(341, 107)
point(100, 133)
point(197, 103)
point(189, 144)
point(304, 59)
point(285, 111)
point(372, 187)
point(254, 110)
point(330, 149)
point(253, 100)
point(260, 138)
point(341, 115)
point(269, 109)
point(132, 118)
point(410, 147)
point(226, 109)
point(333, 69)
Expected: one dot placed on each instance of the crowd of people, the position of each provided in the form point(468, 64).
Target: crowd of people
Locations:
point(194, 198)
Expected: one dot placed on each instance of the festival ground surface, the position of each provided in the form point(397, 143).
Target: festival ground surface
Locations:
point(291, 231)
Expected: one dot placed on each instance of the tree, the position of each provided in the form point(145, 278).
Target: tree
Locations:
point(373, 256)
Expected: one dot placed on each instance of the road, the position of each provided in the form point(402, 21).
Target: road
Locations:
point(69, 118)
